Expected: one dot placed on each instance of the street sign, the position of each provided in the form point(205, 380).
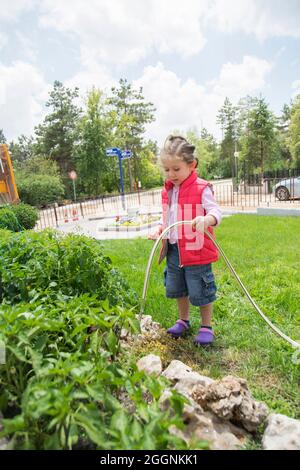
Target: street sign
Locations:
point(113, 151)
point(126, 154)
point(73, 175)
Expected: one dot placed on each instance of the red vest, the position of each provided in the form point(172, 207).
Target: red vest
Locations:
point(194, 247)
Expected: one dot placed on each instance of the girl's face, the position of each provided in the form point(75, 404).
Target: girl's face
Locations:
point(177, 170)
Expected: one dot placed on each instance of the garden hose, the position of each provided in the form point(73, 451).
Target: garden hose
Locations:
point(147, 275)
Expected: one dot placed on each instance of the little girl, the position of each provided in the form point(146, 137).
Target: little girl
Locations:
point(190, 252)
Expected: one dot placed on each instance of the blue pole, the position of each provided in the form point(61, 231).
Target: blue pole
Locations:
point(121, 179)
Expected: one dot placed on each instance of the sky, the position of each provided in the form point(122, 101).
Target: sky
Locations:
point(186, 55)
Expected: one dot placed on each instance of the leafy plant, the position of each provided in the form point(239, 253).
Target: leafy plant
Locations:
point(65, 382)
point(8, 220)
point(40, 190)
point(27, 215)
point(36, 263)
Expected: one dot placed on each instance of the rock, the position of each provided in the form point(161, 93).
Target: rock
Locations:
point(204, 426)
point(176, 371)
point(4, 443)
point(230, 399)
point(282, 433)
point(164, 401)
point(182, 375)
point(149, 326)
point(190, 382)
point(150, 364)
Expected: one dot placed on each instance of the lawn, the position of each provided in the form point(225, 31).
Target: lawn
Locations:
point(265, 252)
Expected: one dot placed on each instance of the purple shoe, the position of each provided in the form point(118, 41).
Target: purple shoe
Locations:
point(204, 337)
point(179, 329)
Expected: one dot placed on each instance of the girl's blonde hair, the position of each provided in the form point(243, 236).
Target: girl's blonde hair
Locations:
point(178, 147)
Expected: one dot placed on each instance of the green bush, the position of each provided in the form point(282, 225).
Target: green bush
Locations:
point(8, 220)
point(27, 215)
point(33, 263)
point(65, 386)
point(40, 190)
point(67, 383)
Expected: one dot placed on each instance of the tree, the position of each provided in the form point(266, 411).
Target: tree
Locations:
point(56, 136)
point(2, 137)
point(92, 164)
point(150, 172)
point(129, 114)
point(206, 151)
point(228, 119)
point(259, 137)
point(294, 132)
point(22, 150)
point(38, 181)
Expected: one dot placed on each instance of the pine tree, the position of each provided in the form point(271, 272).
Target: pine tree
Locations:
point(56, 136)
point(129, 114)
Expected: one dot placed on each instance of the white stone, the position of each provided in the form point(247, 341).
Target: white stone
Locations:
point(151, 364)
point(176, 371)
point(230, 399)
point(282, 433)
point(188, 383)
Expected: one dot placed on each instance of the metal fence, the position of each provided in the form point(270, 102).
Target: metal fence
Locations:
point(246, 195)
point(257, 192)
point(102, 206)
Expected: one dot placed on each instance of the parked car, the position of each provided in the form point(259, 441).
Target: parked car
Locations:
point(288, 188)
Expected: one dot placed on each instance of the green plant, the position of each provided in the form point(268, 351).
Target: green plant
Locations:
point(8, 220)
point(27, 215)
point(32, 264)
point(40, 190)
point(67, 385)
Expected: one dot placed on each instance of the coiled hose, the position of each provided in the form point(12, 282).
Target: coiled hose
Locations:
point(147, 276)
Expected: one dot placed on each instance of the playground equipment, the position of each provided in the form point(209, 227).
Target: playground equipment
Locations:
point(8, 189)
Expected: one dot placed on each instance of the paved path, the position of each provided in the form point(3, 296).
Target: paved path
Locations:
point(91, 227)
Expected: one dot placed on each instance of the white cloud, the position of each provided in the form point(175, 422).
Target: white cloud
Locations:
point(9, 11)
point(23, 92)
point(187, 104)
point(296, 88)
point(3, 40)
point(237, 80)
point(264, 18)
point(119, 32)
point(91, 75)
point(27, 47)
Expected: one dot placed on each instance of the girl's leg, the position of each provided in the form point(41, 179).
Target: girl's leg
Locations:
point(181, 326)
point(183, 307)
point(206, 314)
point(205, 336)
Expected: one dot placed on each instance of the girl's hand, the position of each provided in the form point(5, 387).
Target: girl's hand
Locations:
point(198, 223)
point(201, 223)
point(156, 234)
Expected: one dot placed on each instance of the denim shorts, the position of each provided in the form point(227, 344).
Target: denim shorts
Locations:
point(196, 282)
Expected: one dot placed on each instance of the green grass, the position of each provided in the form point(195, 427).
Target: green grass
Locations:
point(265, 252)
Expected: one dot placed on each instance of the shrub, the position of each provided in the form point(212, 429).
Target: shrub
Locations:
point(49, 263)
point(40, 190)
point(27, 215)
point(65, 387)
point(8, 220)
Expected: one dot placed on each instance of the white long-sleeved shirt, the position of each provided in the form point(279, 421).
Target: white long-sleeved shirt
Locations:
point(209, 204)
